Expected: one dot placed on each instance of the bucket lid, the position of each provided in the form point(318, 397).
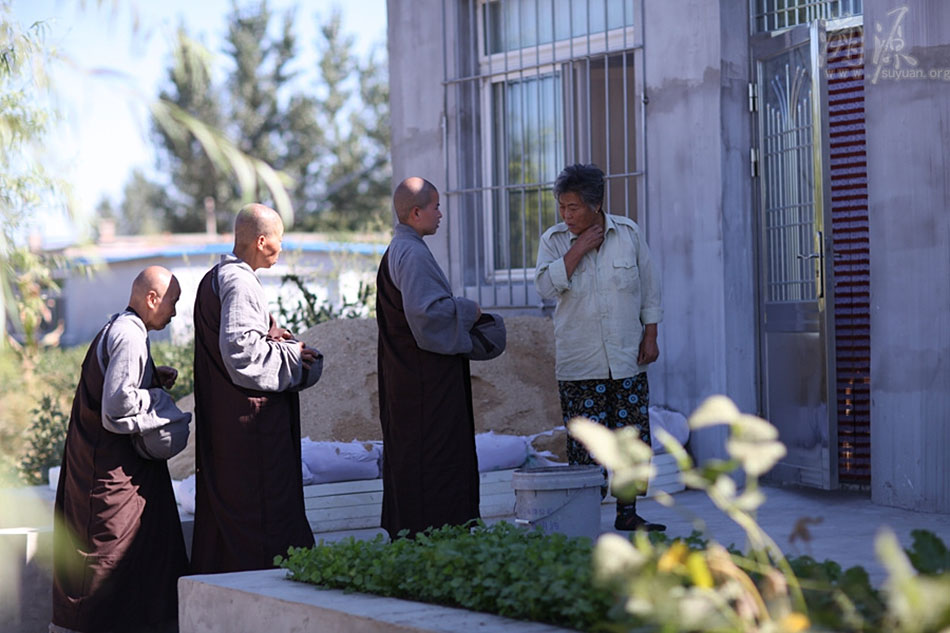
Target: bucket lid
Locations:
point(558, 477)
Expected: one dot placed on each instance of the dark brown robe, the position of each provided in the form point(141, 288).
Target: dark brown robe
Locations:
point(249, 482)
point(118, 548)
point(430, 469)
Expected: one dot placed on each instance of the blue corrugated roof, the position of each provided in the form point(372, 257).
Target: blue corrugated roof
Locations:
point(173, 251)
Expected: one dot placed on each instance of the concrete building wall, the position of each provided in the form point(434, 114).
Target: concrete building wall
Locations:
point(700, 223)
point(415, 102)
point(699, 215)
point(90, 299)
point(908, 133)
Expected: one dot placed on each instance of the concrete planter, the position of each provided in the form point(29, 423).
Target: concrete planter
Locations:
point(266, 601)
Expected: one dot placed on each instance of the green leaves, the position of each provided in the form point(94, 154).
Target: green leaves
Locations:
point(649, 583)
point(46, 438)
point(621, 451)
point(25, 119)
point(915, 603)
point(315, 145)
point(310, 310)
point(182, 358)
point(928, 554)
point(500, 569)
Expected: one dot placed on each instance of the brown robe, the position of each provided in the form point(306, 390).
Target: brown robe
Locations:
point(248, 478)
point(430, 469)
point(118, 548)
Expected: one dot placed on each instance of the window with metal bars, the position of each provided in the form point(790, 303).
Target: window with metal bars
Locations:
point(775, 15)
point(542, 84)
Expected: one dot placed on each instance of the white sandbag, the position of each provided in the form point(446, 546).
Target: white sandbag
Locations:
point(500, 452)
point(54, 477)
point(185, 493)
point(542, 459)
point(340, 461)
point(307, 475)
point(673, 422)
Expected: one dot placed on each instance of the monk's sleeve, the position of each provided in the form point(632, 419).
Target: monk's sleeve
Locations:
point(253, 361)
point(126, 406)
point(439, 322)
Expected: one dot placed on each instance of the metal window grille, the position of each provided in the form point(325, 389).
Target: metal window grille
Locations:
point(775, 15)
point(530, 87)
point(789, 177)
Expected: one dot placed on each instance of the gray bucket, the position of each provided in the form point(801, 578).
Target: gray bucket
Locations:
point(563, 499)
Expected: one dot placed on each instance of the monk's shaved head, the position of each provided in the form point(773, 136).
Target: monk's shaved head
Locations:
point(155, 292)
point(258, 233)
point(412, 192)
point(153, 278)
point(254, 220)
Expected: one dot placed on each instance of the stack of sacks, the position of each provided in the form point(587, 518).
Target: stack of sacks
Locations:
point(326, 462)
point(500, 452)
point(185, 493)
point(673, 422)
point(543, 458)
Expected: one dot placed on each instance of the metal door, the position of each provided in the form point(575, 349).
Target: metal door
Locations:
point(795, 329)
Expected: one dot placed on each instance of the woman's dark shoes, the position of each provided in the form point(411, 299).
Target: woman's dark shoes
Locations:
point(628, 522)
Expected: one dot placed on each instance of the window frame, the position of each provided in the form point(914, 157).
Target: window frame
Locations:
point(557, 59)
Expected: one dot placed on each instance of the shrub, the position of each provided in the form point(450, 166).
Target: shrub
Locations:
point(309, 310)
point(40, 444)
point(182, 358)
point(715, 589)
point(500, 569)
point(46, 437)
point(648, 581)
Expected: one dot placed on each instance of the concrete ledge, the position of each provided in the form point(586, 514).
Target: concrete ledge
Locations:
point(25, 579)
point(266, 601)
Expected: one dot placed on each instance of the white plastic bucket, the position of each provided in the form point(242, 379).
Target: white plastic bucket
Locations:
point(563, 499)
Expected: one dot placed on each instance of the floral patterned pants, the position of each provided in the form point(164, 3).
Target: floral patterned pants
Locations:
point(615, 403)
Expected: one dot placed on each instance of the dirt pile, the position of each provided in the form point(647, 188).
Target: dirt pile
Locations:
point(515, 394)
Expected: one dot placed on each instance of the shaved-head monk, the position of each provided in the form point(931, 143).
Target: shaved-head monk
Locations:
point(430, 470)
point(248, 372)
point(118, 546)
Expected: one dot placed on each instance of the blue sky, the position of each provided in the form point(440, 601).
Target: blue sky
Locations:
point(113, 68)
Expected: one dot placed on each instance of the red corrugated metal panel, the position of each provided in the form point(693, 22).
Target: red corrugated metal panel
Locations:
point(851, 261)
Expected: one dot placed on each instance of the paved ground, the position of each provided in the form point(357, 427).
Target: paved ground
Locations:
point(847, 523)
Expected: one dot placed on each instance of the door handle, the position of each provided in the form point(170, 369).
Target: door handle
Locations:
point(819, 236)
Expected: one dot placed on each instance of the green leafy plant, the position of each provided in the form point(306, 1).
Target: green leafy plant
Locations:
point(648, 582)
point(678, 588)
point(928, 554)
point(499, 569)
point(33, 430)
point(309, 310)
point(182, 358)
point(46, 437)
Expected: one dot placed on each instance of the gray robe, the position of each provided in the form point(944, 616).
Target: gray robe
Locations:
point(129, 404)
point(253, 360)
point(118, 546)
point(430, 470)
point(248, 486)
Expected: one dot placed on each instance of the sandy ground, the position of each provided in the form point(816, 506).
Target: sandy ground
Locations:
point(515, 394)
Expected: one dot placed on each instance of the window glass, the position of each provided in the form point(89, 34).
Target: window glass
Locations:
point(515, 24)
point(775, 15)
point(528, 142)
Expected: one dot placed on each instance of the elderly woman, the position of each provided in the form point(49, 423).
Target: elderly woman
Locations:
point(598, 268)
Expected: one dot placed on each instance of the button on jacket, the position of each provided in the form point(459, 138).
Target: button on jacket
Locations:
point(602, 308)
